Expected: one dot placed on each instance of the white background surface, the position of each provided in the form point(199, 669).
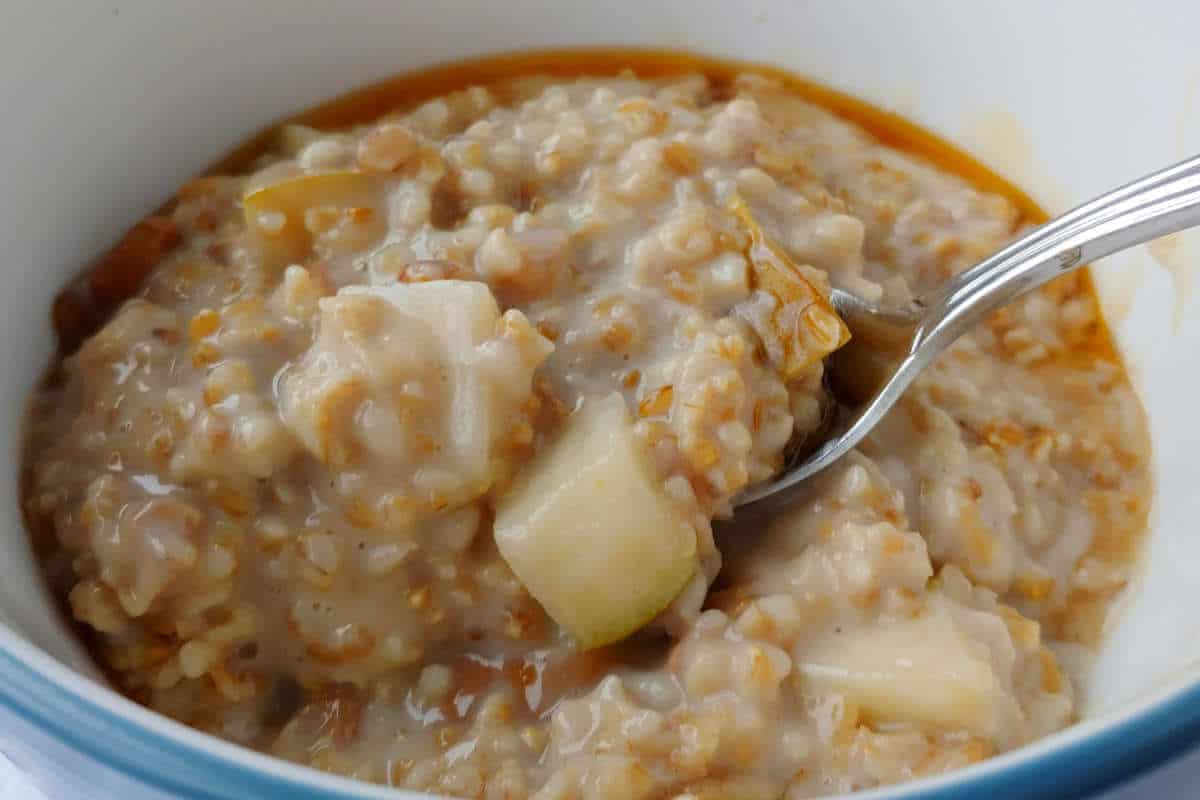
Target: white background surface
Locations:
point(33, 766)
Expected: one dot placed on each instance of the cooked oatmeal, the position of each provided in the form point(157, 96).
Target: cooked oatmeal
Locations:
point(398, 454)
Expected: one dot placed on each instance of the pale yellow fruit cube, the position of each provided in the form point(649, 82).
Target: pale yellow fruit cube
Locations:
point(926, 670)
point(590, 531)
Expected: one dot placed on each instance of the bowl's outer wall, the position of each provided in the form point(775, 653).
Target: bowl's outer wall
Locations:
point(111, 105)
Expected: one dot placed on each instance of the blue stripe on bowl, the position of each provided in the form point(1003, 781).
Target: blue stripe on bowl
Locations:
point(1066, 766)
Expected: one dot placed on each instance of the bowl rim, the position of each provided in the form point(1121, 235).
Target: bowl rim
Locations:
point(1093, 754)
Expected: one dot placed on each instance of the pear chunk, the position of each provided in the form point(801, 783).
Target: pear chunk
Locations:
point(803, 327)
point(590, 531)
point(927, 670)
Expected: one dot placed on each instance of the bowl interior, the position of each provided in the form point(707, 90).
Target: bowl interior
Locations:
point(111, 106)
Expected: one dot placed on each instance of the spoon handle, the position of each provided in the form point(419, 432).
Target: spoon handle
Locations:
point(1164, 202)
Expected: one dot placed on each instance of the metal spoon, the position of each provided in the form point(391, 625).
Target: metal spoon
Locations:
point(890, 346)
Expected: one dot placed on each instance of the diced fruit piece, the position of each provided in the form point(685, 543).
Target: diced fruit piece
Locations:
point(926, 670)
point(421, 382)
point(477, 344)
point(275, 213)
point(803, 322)
point(590, 531)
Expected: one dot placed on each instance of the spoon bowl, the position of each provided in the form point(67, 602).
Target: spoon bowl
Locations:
point(891, 346)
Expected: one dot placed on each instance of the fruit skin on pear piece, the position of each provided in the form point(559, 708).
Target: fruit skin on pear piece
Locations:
point(275, 212)
point(590, 531)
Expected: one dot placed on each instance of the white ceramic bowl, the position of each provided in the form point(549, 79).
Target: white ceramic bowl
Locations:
point(108, 106)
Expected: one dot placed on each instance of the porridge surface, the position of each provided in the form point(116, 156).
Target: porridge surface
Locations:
point(267, 485)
